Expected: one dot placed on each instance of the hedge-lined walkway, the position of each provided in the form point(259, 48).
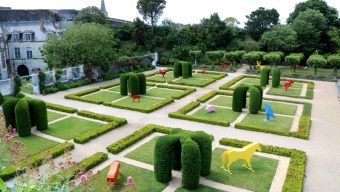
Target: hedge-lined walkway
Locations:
point(323, 166)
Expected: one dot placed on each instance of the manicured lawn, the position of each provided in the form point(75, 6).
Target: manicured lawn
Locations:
point(282, 91)
point(163, 93)
point(222, 100)
point(327, 73)
point(221, 114)
point(201, 188)
point(71, 127)
point(104, 96)
point(116, 89)
point(295, 85)
point(281, 108)
point(144, 180)
point(35, 144)
point(254, 81)
point(193, 81)
point(281, 124)
point(51, 116)
point(168, 77)
point(260, 180)
point(203, 76)
point(145, 102)
point(144, 153)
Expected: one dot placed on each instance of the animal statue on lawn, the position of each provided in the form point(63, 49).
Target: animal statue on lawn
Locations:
point(288, 84)
point(129, 185)
point(210, 108)
point(135, 97)
point(258, 64)
point(269, 112)
point(163, 73)
point(246, 153)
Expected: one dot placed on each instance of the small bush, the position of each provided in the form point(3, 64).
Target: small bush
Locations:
point(163, 158)
point(134, 84)
point(22, 118)
point(191, 164)
point(124, 84)
point(185, 70)
point(254, 100)
point(260, 89)
point(142, 83)
point(17, 85)
point(8, 109)
point(190, 69)
point(205, 145)
point(265, 77)
point(40, 114)
point(177, 69)
point(42, 77)
point(239, 98)
point(61, 108)
point(276, 77)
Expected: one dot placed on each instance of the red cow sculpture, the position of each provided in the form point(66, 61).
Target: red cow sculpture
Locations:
point(135, 97)
point(162, 72)
point(224, 66)
point(287, 85)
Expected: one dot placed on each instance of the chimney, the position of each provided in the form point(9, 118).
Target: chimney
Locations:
point(42, 27)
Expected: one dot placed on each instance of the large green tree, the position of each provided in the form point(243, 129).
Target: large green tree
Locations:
point(309, 26)
point(280, 38)
point(151, 10)
point(90, 44)
point(260, 20)
point(91, 15)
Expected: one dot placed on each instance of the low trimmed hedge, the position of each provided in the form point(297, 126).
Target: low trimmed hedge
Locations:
point(296, 169)
point(181, 114)
point(35, 160)
point(102, 117)
point(146, 110)
point(108, 86)
point(228, 85)
point(186, 90)
point(77, 96)
point(61, 108)
point(219, 75)
point(212, 94)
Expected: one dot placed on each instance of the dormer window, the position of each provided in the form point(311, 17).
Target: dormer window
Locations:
point(15, 37)
point(27, 37)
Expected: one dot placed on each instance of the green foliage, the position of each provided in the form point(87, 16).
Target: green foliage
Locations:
point(142, 83)
point(190, 69)
point(185, 70)
point(8, 108)
point(334, 60)
point(231, 56)
point(148, 109)
point(22, 118)
point(134, 88)
point(252, 57)
point(102, 117)
point(195, 55)
point(91, 14)
point(316, 61)
point(39, 109)
point(215, 56)
point(254, 100)
point(205, 146)
point(260, 89)
point(61, 108)
point(250, 44)
point(279, 38)
point(239, 98)
point(265, 76)
point(151, 10)
point(124, 78)
point(17, 85)
point(191, 164)
point(42, 77)
point(272, 58)
point(1, 99)
point(178, 69)
point(293, 60)
point(276, 77)
point(260, 20)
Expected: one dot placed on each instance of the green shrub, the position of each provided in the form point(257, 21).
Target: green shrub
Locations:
point(22, 118)
point(215, 56)
point(178, 69)
point(239, 98)
point(142, 83)
point(293, 60)
point(102, 117)
point(42, 77)
point(185, 70)
point(8, 108)
point(254, 100)
point(17, 85)
point(1, 99)
point(190, 69)
point(20, 95)
point(61, 108)
point(124, 84)
point(272, 58)
point(334, 61)
point(191, 164)
point(260, 89)
point(39, 110)
point(265, 77)
point(163, 157)
point(205, 145)
point(316, 61)
point(83, 138)
point(134, 84)
point(276, 77)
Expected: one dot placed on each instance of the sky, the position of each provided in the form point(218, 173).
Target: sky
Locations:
point(179, 11)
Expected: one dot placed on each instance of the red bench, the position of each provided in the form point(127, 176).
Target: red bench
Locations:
point(113, 174)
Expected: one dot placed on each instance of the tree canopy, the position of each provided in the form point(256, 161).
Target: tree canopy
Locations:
point(151, 10)
point(280, 38)
point(91, 15)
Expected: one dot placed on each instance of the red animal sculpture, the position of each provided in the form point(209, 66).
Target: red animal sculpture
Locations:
point(291, 82)
point(224, 66)
point(162, 72)
point(287, 85)
point(135, 97)
point(204, 70)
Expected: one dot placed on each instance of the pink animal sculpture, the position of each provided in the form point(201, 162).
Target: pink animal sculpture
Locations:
point(210, 108)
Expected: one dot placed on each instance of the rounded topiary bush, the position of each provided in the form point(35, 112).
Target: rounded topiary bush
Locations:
point(39, 109)
point(124, 84)
point(142, 83)
point(178, 69)
point(276, 77)
point(265, 77)
point(260, 89)
point(205, 145)
point(22, 118)
point(190, 69)
point(191, 164)
point(1, 99)
point(254, 100)
point(134, 84)
point(185, 70)
point(239, 98)
point(8, 108)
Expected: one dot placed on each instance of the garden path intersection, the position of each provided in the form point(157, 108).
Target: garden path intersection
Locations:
point(323, 159)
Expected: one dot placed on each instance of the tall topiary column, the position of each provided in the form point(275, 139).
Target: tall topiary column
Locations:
point(254, 100)
point(124, 84)
point(265, 77)
point(239, 98)
point(1, 99)
point(134, 84)
point(191, 164)
point(40, 114)
point(8, 108)
point(185, 70)
point(22, 118)
point(276, 77)
point(205, 144)
point(260, 89)
point(177, 69)
point(163, 158)
point(190, 69)
point(142, 83)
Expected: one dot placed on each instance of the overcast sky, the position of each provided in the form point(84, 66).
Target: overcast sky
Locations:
point(180, 11)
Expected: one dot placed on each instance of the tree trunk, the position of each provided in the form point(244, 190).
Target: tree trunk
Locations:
point(335, 70)
point(315, 71)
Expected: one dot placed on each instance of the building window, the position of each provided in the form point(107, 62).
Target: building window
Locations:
point(29, 52)
point(15, 37)
point(27, 37)
point(17, 53)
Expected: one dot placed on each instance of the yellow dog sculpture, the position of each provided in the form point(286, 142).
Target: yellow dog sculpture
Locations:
point(246, 153)
point(258, 64)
